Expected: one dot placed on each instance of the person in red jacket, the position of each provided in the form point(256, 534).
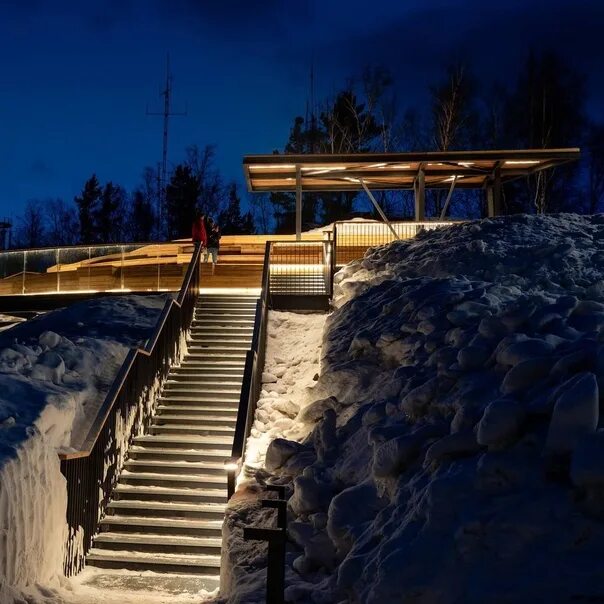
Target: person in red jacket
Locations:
point(199, 233)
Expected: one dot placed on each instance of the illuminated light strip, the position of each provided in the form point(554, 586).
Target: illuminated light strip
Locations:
point(256, 167)
point(522, 162)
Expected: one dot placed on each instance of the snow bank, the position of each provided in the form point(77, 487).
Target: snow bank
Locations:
point(55, 371)
point(457, 449)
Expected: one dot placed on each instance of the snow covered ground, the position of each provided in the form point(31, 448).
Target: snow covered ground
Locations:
point(55, 371)
point(455, 451)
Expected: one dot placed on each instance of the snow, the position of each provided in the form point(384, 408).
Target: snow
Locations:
point(452, 448)
point(55, 371)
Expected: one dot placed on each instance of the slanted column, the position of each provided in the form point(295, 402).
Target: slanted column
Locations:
point(298, 203)
point(419, 189)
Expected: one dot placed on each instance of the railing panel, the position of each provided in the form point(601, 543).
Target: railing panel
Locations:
point(298, 268)
point(352, 239)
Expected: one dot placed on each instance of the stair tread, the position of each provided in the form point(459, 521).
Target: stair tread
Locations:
point(184, 478)
point(206, 382)
point(155, 490)
point(185, 465)
point(201, 408)
point(209, 416)
point(127, 556)
point(134, 504)
point(158, 522)
point(194, 428)
point(184, 439)
point(217, 453)
point(143, 538)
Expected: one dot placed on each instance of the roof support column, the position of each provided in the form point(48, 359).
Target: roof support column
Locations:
point(419, 190)
point(494, 193)
point(298, 203)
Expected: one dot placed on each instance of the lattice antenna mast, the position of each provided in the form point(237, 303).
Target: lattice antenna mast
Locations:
point(167, 114)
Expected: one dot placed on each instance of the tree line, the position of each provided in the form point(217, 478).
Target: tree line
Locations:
point(543, 107)
point(108, 213)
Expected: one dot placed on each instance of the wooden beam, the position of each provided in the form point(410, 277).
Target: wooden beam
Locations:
point(419, 189)
point(298, 203)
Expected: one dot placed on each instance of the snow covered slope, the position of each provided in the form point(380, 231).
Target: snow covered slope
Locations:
point(55, 371)
point(456, 453)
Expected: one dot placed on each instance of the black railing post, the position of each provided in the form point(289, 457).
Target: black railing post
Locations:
point(275, 571)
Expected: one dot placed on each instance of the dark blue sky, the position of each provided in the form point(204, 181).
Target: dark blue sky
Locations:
point(76, 76)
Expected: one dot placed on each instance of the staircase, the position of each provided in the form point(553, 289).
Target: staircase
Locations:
point(168, 506)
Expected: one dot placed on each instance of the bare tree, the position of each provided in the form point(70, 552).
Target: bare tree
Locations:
point(31, 232)
point(262, 210)
point(61, 222)
point(212, 197)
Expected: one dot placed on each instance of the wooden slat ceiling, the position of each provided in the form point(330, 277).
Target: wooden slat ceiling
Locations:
point(390, 171)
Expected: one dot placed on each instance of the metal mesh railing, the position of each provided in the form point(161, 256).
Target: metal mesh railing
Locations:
point(300, 268)
point(352, 239)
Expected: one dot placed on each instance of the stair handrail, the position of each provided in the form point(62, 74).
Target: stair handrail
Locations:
point(128, 362)
point(252, 378)
point(92, 471)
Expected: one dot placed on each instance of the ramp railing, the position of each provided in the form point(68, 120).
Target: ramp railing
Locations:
point(93, 470)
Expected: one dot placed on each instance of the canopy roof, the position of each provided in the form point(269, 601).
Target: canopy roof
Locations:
point(389, 171)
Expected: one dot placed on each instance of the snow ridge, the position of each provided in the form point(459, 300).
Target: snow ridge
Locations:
point(456, 451)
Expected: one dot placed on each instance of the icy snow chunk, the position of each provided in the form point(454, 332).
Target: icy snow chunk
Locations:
point(587, 464)
point(279, 451)
point(268, 378)
point(50, 367)
point(393, 456)
point(472, 357)
point(454, 445)
point(313, 412)
point(575, 413)
point(49, 339)
point(349, 511)
point(310, 495)
point(12, 361)
point(500, 423)
point(517, 352)
point(525, 374)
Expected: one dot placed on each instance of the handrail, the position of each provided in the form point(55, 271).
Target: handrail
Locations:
point(128, 362)
point(254, 365)
point(45, 248)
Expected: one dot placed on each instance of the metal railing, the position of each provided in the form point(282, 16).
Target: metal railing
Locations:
point(300, 268)
point(94, 268)
point(353, 238)
point(252, 379)
point(92, 472)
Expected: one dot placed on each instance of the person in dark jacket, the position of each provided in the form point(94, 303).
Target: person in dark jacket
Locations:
point(199, 231)
point(213, 232)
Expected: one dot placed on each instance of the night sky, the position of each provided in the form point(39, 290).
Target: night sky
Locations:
point(77, 76)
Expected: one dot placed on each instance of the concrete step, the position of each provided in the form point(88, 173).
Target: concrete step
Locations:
point(219, 408)
point(163, 509)
point(167, 563)
point(208, 382)
point(180, 399)
point(211, 321)
point(220, 338)
point(162, 453)
point(162, 526)
point(172, 544)
point(174, 481)
point(193, 391)
point(191, 373)
point(230, 329)
point(194, 430)
point(175, 466)
point(216, 355)
point(218, 345)
point(209, 420)
point(215, 443)
point(153, 493)
point(231, 313)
